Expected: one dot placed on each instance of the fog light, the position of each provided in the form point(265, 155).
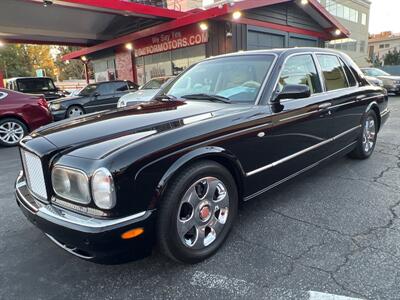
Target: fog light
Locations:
point(130, 234)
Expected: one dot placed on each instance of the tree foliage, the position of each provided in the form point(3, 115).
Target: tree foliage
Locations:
point(20, 60)
point(73, 69)
point(392, 58)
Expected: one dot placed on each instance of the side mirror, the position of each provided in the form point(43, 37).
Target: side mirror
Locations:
point(294, 91)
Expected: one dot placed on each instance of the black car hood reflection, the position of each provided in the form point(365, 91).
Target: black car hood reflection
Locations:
point(94, 136)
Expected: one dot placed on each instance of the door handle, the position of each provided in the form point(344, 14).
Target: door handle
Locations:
point(325, 105)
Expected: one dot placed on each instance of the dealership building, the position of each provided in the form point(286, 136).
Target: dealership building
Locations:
point(140, 40)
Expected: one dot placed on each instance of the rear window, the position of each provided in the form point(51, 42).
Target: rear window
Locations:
point(333, 72)
point(30, 85)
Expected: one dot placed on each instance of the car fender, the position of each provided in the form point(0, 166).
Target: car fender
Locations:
point(218, 154)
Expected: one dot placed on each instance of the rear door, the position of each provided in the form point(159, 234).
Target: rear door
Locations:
point(345, 95)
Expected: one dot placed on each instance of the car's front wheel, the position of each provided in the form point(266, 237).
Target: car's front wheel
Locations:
point(11, 132)
point(367, 140)
point(74, 111)
point(197, 212)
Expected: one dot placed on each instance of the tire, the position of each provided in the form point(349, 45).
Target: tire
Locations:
point(11, 132)
point(74, 111)
point(212, 216)
point(368, 136)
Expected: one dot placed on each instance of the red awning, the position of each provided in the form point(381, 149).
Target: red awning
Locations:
point(312, 8)
point(76, 22)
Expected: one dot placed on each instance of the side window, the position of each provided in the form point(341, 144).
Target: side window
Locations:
point(132, 85)
point(120, 86)
point(350, 77)
point(105, 89)
point(333, 72)
point(300, 69)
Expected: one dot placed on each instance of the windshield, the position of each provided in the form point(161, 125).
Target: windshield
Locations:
point(155, 83)
point(236, 79)
point(375, 72)
point(30, 85)
point(88, 90)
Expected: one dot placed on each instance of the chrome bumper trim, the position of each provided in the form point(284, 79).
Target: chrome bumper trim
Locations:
point(66, 217)
point(68, 249)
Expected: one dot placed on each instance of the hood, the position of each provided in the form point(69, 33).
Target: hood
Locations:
point(390, 77)
point(64, 99)
point(111, 130)
point(140, 95)
point(49, 95)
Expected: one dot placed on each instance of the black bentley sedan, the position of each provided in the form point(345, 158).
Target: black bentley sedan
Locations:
point(172, 172)
point(94, 97)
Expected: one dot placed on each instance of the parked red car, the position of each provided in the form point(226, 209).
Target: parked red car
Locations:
point(20, 114)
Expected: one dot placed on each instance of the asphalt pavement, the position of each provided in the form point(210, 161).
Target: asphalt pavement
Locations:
point(334, 230)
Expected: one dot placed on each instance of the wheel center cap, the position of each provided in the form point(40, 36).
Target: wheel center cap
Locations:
point(205, 212)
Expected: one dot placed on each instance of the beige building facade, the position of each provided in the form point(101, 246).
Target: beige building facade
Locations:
point(354, 15)
point(380, 44)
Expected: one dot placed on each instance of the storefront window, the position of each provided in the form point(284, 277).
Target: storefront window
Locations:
point(185, 57)
point(168, 63)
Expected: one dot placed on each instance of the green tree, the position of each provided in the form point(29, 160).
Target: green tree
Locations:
point(15, 61)
point(73, 69)
point(392, 58)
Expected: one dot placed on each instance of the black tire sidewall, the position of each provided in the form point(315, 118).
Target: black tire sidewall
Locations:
point(171, 203)
point(23, 126)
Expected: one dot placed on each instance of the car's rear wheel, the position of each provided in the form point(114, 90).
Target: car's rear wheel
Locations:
point(197, 212)
point(74, 111)
point(367, 140)
point(11, 132)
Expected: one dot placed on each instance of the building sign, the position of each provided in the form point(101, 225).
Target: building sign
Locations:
point(171, 40)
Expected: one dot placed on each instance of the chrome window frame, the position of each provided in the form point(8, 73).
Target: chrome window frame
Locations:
point(317, 67)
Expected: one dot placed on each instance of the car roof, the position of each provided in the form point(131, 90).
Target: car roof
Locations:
point(16, 78)
point(279, 52)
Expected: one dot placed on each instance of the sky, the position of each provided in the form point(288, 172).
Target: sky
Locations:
point(385, 16)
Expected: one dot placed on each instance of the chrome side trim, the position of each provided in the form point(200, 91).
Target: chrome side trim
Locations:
point(385, 112)
point(295, 174)
point(287, 158)
point(66, 248)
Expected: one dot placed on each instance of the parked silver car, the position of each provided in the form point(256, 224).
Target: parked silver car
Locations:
point(390, 82)
point(145, 92)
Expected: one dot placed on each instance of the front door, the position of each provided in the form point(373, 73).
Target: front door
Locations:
point(299, 136)
point(101, 98)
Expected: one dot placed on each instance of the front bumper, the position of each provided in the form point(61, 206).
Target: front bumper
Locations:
point(395, 88)
point(58, 115)
point(98, 240)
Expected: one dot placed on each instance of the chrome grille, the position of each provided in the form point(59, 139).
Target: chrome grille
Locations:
point(34, 174)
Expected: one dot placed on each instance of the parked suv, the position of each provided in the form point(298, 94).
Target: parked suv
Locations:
point(94, 97)
point(35, 85)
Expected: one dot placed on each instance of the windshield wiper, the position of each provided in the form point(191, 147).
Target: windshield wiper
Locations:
point(207, 97)
point(164, 96)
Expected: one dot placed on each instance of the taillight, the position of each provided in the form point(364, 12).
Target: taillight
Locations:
point(42, 102)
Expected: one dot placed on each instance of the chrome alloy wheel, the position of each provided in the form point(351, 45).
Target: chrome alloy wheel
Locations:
point(203, 213)
point(75, 112)
point(369, 134)
point(11, 132)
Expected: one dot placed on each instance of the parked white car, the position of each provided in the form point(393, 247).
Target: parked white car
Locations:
point(145, 93)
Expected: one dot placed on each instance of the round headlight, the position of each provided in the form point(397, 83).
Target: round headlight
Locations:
point(121, 103)
point(103, 189)
point(55, 106)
